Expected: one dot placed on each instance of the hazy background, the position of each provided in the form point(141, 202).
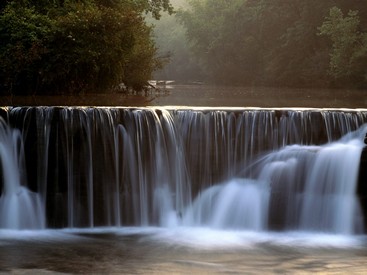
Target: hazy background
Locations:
point(292, 43)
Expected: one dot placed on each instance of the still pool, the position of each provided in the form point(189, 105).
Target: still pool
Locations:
point(179, 250)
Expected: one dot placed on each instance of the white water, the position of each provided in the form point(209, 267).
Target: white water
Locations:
point(317, 186)
point(237, 204)
point(19, 207)
point(155, 167)
point(330, 192)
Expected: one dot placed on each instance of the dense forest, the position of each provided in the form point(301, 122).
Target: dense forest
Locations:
point(293, 43)
point(74, 46)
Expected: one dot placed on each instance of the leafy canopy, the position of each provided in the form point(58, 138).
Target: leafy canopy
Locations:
point(277, 42)
point(349, 44)
point(76, 46)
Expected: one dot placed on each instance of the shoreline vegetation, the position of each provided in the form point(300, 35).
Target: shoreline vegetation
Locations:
point(87, 47)
point(75, 46)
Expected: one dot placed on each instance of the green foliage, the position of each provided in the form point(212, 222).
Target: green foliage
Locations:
point(76, 46)
point(155, 6)
point(349, 45)
point(94, 47)
point(269, 42)
point(23, 35)
point(213, 39)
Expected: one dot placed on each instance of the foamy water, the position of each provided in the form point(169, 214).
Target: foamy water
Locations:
point(193, 237)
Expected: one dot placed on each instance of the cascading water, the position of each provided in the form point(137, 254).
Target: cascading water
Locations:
point(298, 187)
point(237, 204)
point(19, 207)
point(227, 169)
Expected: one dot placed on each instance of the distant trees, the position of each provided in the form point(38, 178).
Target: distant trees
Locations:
point(348, 55)
point(170, 38)
point(76, 45)
point(279, 42)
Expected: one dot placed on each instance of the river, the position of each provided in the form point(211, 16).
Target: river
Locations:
point(179, 251)
point(206, 95)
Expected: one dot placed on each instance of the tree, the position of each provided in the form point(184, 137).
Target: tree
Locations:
point(268, 42)
point(348, 54)
point(76, 46)
point(218, 41)
point(23, 36)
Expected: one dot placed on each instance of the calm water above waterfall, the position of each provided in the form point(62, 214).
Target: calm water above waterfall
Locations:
point(206, 95)
point(169, 181)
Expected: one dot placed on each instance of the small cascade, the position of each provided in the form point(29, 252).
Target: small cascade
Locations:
point(19, 207)
point(311, 188)
point(164, 209)
point(330, 201)
point(236, 169)
point(153, 162)
point(237, 204)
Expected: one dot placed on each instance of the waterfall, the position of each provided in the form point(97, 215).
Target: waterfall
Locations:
point(243, 169)
point(19, 207)
point(307, 188)
point(236, 204)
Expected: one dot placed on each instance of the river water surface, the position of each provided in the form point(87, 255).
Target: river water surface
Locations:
point(179, 251)
point(207, 96)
